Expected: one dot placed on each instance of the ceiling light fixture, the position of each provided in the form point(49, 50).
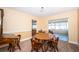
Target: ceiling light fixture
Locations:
point(42, 9)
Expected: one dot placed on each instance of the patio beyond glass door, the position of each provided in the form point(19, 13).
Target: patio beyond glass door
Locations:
point(60, 28)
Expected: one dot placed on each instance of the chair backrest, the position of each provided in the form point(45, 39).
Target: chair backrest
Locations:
point(52, 38)
point(19, 36)
point(32, 41)
point(37, 40)
point(41, 31)
point(57, 39)
point(33, 32)
point(51, 32)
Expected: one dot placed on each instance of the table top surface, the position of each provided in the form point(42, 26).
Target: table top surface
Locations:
point(8, 36)
point(42, 36)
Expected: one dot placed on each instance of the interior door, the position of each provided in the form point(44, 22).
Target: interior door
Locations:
point(34, 27)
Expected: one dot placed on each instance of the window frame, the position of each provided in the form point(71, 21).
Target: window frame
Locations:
point(63, 24)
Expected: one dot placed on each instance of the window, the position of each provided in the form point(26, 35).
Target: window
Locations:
point(58, 25)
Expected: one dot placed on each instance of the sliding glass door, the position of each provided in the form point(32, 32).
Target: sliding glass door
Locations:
point(60, 28)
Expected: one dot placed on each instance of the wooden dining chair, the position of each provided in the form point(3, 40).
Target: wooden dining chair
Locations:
point(45, 46)
point(10, 48)
point(36, 44)
point(17, 44)
point(51, 32)
point(40, 44)
point(55, 44)
point(49, 44)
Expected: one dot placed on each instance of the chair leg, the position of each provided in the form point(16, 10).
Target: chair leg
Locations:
point(53, 48)
point(42, 49)
point(19, 46)
point(57, 48)
point(10, 47)
point(36, 50)
point(31, 50)
point(13, 49)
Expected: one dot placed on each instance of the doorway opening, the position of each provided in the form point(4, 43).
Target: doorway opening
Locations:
point(34, 27)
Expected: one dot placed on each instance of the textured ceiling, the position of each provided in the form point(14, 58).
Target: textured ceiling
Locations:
point(47, 11)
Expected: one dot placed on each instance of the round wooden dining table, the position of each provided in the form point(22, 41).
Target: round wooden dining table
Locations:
point(42, 36)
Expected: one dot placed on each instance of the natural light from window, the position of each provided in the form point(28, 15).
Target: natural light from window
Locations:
point(58, 25)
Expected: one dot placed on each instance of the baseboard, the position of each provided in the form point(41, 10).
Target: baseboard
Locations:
point(1, 46)
point(74, 42)
point(26, 39)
